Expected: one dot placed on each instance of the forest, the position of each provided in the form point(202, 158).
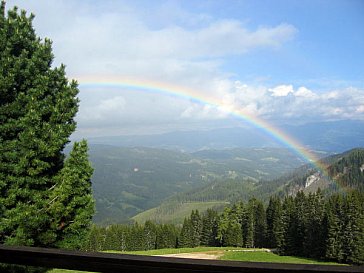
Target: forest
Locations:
point(328, 228)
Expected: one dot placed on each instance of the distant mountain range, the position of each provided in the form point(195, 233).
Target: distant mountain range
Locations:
point(128, 181)
point(334, 136)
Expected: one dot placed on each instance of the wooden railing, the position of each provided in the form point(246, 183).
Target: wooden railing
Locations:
point(107, 262)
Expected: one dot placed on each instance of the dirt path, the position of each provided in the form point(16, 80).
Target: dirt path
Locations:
point(213, 255)
point(210, 255)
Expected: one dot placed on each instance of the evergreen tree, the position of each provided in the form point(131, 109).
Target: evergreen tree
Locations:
point(72, 205)
point(314, 241)
point(190, 235)
point(209, 228)
point(96, 239)
point(233, 235)
point(274, 223)
point(299, 223)
point(136, 240)
point(223, 225)
point(248, 227)
point(37, 109)
point(260, 225)
point(289, 228)
point(254, 224)
point(196, 223)
point(353, 234)
point(166, 236)
point(229, 228)
point(334, 228)
point(111, 238)
point(150, 235)
point(185, 238)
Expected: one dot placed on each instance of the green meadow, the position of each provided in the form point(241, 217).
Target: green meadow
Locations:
point(228, 253)
point(263, 256)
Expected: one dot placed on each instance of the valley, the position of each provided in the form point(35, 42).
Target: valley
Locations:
point(128, 181)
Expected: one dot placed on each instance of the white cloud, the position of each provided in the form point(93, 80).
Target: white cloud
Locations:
point(95, 40)
point(106, 110)
point(360, 109)
point(203, 112)
point(187, 50)
point(331, 95)
point(305, 93)
point(281, 90)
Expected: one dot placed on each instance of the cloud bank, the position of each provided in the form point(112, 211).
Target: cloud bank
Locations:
point(183, 48)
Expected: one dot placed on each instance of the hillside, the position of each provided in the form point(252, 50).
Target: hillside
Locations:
point(346, 170)
point(214, 195)
point(128, 181)
point(343, 172)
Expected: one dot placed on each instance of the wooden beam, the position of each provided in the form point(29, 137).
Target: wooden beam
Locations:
point(108, 262)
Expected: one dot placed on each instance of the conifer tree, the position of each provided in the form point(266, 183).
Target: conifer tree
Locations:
point(314, 241)
point(209, 228)
point(150, 235)
point(260, 225)
point(96, 239)
point(353, 234)
point(185, 238)
point(111, 238)
point(229, 228)
point(223, 224)
point(196, 223)
point(72, 205)
point(136, 241)
point(248, 226)
point(289, 228)
point(300, 222)
point(166, 236)
point(274, 223)
point(233, 235)
point(334, 228)
point(37, 109)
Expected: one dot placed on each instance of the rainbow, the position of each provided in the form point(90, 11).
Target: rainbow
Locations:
point(169, 89)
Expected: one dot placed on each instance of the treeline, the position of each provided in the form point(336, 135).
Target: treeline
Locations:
point(310, 225)
point(132, 237)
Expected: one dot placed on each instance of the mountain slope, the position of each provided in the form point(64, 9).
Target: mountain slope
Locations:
point(346, 171)
point(127, 181)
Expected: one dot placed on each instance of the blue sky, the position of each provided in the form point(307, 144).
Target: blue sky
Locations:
point(283, 61)
point(328, 45)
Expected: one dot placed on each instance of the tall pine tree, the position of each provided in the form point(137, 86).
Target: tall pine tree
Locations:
point(209, 228)
point(274, 223)
point(37, 109)
point(353, 234)
point(333, 224)
point(72, 205)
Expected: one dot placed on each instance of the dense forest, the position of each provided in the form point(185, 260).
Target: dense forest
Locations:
point(330, 228)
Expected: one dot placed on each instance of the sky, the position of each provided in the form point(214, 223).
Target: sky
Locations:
point(284, 62)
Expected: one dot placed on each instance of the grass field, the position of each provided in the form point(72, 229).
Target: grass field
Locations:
point(262, 256)
point(228, 253)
